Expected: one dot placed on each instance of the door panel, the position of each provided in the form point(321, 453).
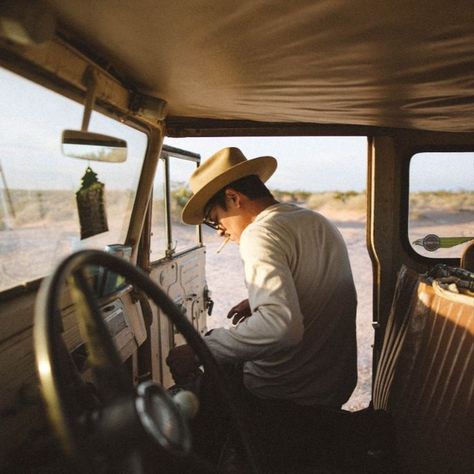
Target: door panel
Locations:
point(183, 280)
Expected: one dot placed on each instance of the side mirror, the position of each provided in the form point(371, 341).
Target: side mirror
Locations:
point(93, 146)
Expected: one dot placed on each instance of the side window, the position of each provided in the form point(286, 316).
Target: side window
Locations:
point(39, 221)
point(170, 194)
point(441, 203)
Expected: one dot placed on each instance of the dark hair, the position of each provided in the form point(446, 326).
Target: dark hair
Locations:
point(250, 186)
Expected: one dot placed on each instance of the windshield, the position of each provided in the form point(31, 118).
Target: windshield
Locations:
point(39, 220)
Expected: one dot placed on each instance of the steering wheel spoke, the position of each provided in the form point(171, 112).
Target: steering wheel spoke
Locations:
point(103, 358)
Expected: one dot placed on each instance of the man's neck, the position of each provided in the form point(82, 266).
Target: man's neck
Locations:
point(259, 205)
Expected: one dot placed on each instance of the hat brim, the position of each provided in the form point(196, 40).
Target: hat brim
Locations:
point(263, 167)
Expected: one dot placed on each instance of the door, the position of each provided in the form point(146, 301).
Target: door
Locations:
point(177, 257)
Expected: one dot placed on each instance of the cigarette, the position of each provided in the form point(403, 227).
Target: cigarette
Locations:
point(223, 244)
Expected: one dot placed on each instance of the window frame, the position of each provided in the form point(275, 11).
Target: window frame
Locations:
point(405, 200)
point(170, 153)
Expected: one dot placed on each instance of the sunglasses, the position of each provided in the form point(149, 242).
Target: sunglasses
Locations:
point(209, 222)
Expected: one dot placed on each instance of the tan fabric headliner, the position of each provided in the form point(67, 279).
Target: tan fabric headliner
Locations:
point(405, 64)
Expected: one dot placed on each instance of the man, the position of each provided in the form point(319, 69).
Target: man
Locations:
point(296, 337)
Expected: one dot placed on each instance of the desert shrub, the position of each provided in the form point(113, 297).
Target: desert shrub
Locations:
point(29, 207)
point(356, 201)
point(319, 200)
point(339, 201)
point(345, 196)
point(180, 196)
point(416, 214)
point(445, 200)
point(291, 196)
point(301, 196)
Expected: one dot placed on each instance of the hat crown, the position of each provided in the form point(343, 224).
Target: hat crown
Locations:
point(215, 166)
point(218, 171)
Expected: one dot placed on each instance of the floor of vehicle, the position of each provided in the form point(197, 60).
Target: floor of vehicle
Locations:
point(339, 442)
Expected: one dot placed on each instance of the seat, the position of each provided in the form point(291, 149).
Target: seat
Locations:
point(424, 377)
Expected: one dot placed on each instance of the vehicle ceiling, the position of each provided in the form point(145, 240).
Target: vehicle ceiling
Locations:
point(403, 64)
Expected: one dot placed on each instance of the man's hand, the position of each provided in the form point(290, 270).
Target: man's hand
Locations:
point(239, 312)
point(183, 364)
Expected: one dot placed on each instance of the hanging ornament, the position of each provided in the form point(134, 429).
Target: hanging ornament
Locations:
point(91, 206)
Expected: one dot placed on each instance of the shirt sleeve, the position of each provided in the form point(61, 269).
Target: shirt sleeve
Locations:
point(276, 322)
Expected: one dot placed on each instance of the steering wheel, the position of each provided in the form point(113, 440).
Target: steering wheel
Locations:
point(112, 421)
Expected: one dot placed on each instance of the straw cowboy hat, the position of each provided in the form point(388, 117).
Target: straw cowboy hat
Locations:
point(221, 169)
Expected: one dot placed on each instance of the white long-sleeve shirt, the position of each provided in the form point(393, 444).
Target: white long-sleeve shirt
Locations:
point(300, 341)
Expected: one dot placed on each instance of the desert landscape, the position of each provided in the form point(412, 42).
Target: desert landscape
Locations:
point(45, 228)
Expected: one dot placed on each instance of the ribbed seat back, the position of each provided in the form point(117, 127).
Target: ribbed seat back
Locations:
point(425, 377)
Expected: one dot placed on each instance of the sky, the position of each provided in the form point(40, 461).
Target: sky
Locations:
point(32, 119)
point(304, 163)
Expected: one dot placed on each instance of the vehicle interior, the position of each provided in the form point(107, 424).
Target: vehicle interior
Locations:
point(99, 278)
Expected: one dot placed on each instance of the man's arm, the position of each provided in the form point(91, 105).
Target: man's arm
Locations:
point(276, 322)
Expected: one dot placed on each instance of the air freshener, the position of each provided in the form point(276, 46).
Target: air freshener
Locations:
point(91, 206)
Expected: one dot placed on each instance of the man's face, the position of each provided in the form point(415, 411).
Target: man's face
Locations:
point(231, 221)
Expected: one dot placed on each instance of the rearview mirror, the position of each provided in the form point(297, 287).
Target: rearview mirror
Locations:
point(93, 146)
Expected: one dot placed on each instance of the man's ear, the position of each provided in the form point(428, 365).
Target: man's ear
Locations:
point(233, 196)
